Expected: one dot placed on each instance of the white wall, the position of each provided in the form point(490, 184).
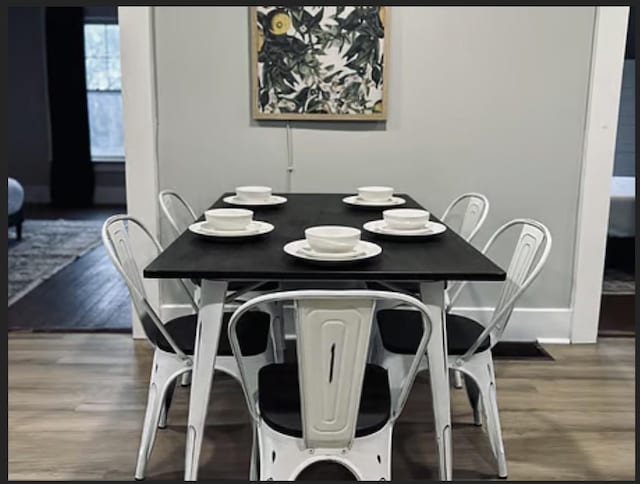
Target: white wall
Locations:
point(140, 125)
point(489, 99)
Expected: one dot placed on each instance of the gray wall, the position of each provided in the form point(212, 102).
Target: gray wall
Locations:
point(489, 99)
point(29, 150)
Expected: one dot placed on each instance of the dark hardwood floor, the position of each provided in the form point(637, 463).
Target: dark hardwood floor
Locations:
point(617, 315)
point(87, 295)
point(617, 311)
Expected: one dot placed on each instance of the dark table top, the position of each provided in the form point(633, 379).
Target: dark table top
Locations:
point(442, 257)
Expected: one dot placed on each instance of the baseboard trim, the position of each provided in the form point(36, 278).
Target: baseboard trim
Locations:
point(110, 195)
point(37, 194)
point(554, 341)
point(544, 325)
point(170, 311)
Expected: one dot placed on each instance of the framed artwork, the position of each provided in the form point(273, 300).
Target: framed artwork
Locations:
point(319, 63)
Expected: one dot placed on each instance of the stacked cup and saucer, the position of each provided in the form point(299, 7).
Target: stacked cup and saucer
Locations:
point(229, 223)
point(332, 244)
point(405, 222)
point(374, 197)
point(254, 196)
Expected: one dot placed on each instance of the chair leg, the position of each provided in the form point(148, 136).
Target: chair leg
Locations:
point(164, 411)
point(166, 367)
point(185, 380)
point(480, 370)
point(441, 411)
point(253, 465)
point(457, 379)
point(473, 392)
point(490, 404)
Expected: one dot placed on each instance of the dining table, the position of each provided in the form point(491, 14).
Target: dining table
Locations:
point(424, 262)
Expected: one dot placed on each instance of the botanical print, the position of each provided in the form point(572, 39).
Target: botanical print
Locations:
point(319, 62)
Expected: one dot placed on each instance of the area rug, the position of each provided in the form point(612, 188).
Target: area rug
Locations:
point(47, 247)
point(617, 281)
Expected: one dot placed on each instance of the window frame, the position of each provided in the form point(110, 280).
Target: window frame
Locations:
point(103, 20)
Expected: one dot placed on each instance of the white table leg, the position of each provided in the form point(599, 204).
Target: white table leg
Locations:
point(432, 294)
point(205, 350)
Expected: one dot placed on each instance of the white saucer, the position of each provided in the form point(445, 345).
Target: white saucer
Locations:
point(273, 200)
point(255, 228)
point(356, 200)
point(380, 227)
point(300, 249)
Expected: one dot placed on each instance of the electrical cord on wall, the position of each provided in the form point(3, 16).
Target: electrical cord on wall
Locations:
point(290, 167)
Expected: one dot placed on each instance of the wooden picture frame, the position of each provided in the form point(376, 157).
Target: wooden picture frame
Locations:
point(353, 37)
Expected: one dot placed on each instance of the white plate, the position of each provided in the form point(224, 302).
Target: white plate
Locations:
point(273, 200)
point(380, 227)
point(255, 228)
point(308, 251)
point(300, 249)
point(356, 200)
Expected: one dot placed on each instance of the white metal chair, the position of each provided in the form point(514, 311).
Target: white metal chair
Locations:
point(173, 340)
point(466, 220)
point(332, 405)
point(180, 215)
point(471, 218)
point(469, 342)
point(177, 211)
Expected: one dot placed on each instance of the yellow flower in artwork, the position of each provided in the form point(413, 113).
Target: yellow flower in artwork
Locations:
point(260, 39)
point(280, 23)
point(377, 107)
point(381, 15)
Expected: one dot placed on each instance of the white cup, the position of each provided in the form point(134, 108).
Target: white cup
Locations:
point(405, 218)
point(228, 218)
point(253, 193)
point(375, 193)
point(332, 238)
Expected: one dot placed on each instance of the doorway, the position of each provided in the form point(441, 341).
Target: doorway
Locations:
point(617, 308)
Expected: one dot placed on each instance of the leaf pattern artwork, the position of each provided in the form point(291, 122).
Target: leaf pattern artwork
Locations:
point(319, 61)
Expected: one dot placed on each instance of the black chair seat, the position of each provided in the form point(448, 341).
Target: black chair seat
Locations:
point(279, 399)
point(401, 331)
point(409, 287)
point(252, 329)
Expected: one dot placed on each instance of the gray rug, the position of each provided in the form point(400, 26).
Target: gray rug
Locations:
point(47, 247)
point(618, 282)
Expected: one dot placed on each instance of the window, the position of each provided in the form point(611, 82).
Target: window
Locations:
point(104, 96)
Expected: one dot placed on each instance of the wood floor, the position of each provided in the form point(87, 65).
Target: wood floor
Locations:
point(87, 295)
point(76, 403)
point(617, 315)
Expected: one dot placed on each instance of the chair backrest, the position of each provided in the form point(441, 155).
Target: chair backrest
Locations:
point(333, 336)
point(529, 256)
point(474, 209)
point(116, 239)
point(177, 211)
